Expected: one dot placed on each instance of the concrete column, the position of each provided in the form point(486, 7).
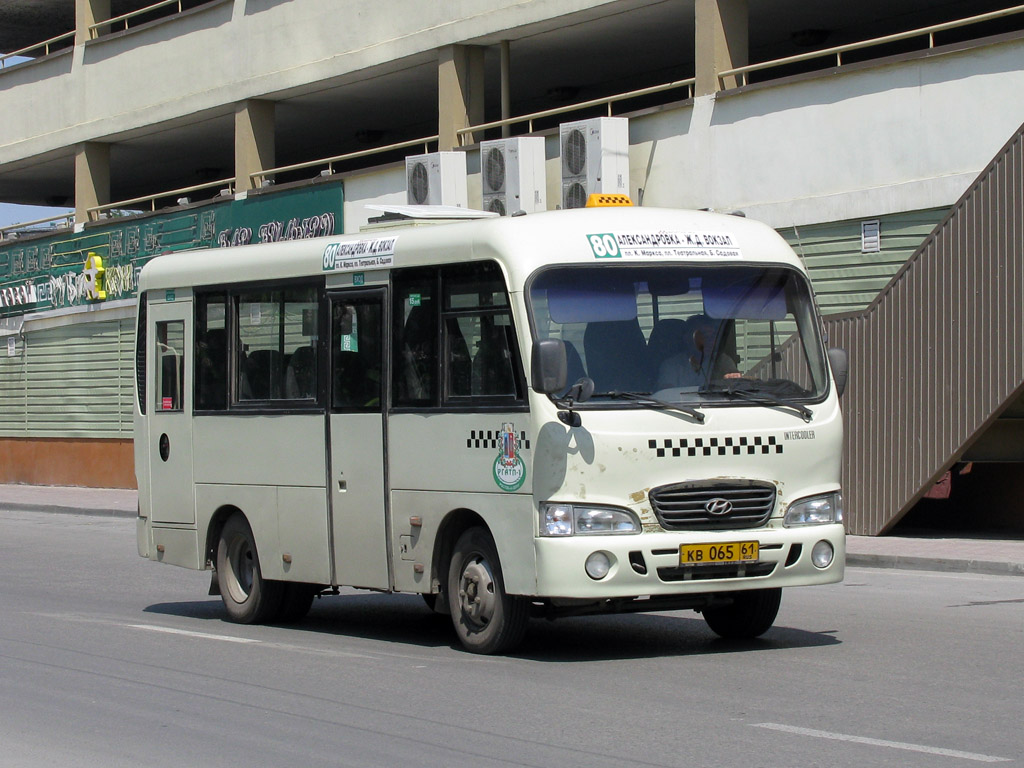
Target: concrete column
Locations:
point(721, 42)
point(460, 92)
point(254, 140)
point(92, 178)
point(506, 87)
point(89, 12)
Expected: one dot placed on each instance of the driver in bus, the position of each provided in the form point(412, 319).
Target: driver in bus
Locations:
point(697, 368)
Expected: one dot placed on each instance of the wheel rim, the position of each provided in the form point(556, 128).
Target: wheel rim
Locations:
point(241, 561)
point(476, 592)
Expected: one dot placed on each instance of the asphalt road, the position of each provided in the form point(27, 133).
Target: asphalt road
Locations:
point(110, 660)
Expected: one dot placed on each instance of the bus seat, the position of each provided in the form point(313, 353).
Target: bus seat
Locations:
point(212, 370)
point(264, 370)
point(616, 355)
point(670, 336)
point(300, 378)
point(492, 363)
point(459, 362)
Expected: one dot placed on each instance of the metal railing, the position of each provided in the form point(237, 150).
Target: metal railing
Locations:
point(94, 29)
point(95, 211)
point(68, 218)
point(45, 45)
point(257, 177)
point(688, 83)
point(839, 50)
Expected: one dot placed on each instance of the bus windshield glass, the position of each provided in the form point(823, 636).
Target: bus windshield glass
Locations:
point(704, 334)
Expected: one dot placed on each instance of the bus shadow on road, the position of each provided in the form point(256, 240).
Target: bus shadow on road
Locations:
point(641, 635)
point(406, 619)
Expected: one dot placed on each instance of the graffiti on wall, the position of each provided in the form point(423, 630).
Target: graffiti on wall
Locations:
point(51, 268)
point(278, 231)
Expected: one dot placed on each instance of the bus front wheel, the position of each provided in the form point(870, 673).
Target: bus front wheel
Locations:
point(248, 597)
point(750, 614)
point(486, 619)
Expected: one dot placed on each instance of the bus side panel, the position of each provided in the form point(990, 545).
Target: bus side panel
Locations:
point(510, 518)
point(461, 452)
point(286, 449)
point(302, 532)
point(176, 546)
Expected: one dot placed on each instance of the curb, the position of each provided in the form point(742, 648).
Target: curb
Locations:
point(7, 506)
point(952, 565)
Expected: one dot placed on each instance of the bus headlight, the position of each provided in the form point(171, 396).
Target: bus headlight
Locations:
point(815, 510)
point(569, 519)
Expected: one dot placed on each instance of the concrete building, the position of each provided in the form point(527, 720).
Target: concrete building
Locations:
point(188, 124)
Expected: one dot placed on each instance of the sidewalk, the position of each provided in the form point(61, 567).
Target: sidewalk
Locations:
point(116, 502)
point(931, 553)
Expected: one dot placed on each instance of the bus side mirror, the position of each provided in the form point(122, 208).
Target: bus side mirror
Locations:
point(840, 363)
point(549, 366)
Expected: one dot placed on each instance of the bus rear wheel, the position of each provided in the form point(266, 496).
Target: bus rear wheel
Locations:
point(486, 619)
point(248, 597)
point(750, 614)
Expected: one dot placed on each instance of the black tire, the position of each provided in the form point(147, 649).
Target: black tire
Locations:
point(296, 601)
point(486, 619)
point(751, 614)
point(248, 597)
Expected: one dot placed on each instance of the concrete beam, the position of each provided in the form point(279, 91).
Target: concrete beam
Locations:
point(460, 92)
point(254, 140)
point(721, 42)
point(92, 178)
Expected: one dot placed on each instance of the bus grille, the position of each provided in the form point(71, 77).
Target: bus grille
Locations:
point(713, 507)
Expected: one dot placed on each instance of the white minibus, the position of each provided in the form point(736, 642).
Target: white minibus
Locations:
point(603, 410)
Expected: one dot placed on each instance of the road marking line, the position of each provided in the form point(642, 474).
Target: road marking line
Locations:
point(882, 743)
point(204, 635)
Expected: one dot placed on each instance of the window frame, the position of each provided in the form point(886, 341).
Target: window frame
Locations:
point(441, 399)
point(279, 406)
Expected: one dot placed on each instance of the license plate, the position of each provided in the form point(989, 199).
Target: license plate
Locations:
point(725, 552)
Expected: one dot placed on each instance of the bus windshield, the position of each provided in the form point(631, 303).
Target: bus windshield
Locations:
point(708, 334)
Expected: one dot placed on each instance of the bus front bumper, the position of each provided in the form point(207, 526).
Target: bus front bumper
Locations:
point(651, 563)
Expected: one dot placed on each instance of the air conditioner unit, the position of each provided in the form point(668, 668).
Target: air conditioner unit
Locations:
point(437, 178)
point(512, 175)
point(595, 158)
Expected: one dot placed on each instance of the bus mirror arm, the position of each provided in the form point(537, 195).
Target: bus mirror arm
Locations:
point(579, 392)
point(840, 363)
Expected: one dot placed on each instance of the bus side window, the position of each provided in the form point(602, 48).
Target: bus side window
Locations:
point(170, 372)
point(211, 353)
point(480, 345)
point(276, 341)
point(415, 363)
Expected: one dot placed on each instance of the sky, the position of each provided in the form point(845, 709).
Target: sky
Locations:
point(16, 214)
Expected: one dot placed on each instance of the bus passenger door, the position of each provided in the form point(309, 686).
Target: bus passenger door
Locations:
point(170, 409)
point(359, 525)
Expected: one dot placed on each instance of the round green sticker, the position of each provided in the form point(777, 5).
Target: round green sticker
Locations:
point(509, 473)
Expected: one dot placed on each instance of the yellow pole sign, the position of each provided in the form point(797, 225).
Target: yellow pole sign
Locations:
point(93, 273)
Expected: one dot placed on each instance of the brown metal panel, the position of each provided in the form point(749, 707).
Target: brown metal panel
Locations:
point(939, 353)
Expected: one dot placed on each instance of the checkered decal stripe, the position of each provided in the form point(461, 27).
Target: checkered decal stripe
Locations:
point(492, 439)
point(715, 446)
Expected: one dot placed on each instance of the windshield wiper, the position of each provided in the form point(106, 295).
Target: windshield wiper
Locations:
point(644, 398)
point(762, 397)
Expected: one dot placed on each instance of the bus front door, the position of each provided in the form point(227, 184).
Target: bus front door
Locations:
point(356, 436)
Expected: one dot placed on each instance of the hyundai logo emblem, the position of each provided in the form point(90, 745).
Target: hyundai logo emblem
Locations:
point(718, 507)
